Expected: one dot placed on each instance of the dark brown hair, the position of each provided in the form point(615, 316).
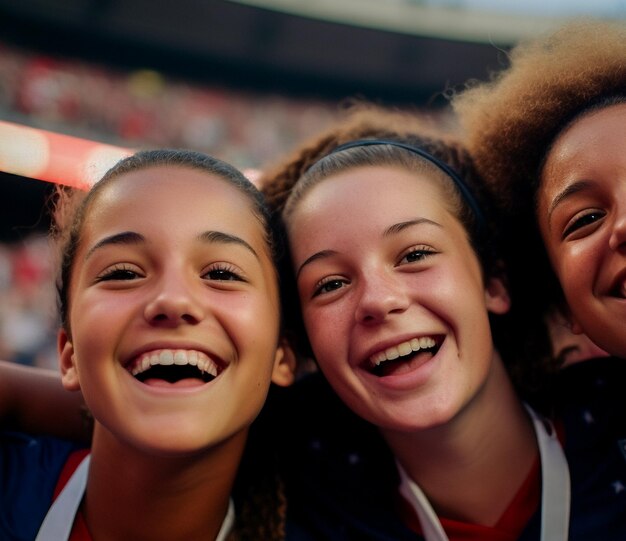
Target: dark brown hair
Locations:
point(258, 490)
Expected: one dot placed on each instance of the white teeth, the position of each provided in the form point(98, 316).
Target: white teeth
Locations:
point(206, 365)
point(166, 357)
point(403, 349)
point(181, 357)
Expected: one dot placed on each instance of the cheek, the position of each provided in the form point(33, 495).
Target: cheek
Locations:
point(324, 330)
point(576, 264)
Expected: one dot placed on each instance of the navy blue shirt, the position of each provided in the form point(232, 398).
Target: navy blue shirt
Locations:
point(29, 471)
point(342, 483)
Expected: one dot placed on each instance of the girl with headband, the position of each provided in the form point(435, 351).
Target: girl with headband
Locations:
point(394, 265)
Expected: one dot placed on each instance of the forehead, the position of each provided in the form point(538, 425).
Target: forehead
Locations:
point(375, 188)
point(593, 143)
point(603, 130)
point(173, 199)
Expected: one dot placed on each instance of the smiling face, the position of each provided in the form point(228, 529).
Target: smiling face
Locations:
point(581, 211)
point(173, 311)
point(392, 296)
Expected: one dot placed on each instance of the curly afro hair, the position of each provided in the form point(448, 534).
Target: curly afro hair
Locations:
point(510, 122)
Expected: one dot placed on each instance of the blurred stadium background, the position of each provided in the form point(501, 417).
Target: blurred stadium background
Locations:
point(242, 80)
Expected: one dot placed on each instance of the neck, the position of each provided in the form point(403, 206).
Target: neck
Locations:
point(491, 444)
point(131, 495)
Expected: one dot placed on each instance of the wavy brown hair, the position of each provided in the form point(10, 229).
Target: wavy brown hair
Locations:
point(359, 121)
point(521, 341)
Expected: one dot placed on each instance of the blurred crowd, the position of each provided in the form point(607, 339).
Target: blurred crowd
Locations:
point(28, 321)
point(143, 108)
point(136, 109)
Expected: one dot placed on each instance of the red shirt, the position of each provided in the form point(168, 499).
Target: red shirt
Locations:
point(508, 528)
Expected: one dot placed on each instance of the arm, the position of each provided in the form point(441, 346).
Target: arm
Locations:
point(34, 400)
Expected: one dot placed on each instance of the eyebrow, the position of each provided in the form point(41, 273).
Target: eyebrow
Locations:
point(131, 237)
point(567, 192)
point(391, 230)
point(319, 255)
point(225, 238)
point(397, 228)
point(126, 237)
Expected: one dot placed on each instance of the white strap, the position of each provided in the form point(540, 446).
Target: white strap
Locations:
point(227, 525)
point(431, 527)
point(57, 526)
point(555, 490)
point(58, 523)
point(555, 482)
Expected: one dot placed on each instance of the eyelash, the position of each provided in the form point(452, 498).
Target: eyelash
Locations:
point(223, 272)
point(422, 252)
point(320, 287)
point(218, 272)
point(120, 272)
point(582, 221)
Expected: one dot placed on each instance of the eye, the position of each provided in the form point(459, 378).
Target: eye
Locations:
point(328, 285)
point(120, 272)
point(582, 220)
point(223, 273)
point(416, 253)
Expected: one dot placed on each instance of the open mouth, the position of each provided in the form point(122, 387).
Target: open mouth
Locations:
point(618, 287)
point(619, 290)
point(174, 366)
point(405, 356)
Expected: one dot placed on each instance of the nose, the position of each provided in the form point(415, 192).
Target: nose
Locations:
point(381, 295)
point(173, 302)
point(617, 240)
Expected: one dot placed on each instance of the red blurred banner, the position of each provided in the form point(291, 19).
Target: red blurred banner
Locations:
point(52, 157)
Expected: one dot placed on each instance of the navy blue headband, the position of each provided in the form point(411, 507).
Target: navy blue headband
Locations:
point(458, 181)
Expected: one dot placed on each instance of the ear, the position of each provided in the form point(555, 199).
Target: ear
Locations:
point(497, 297)
point(69, 376)
point(284, 371)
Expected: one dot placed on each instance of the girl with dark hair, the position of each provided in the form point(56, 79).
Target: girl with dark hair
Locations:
point(549, 136)
point(170, 329)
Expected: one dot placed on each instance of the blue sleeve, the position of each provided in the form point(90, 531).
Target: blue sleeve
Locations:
point(29, 470)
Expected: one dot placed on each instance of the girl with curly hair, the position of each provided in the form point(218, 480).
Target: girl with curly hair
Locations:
point(549, 135)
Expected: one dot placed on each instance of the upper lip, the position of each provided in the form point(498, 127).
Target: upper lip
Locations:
point(382, 345)
point(174, 345)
